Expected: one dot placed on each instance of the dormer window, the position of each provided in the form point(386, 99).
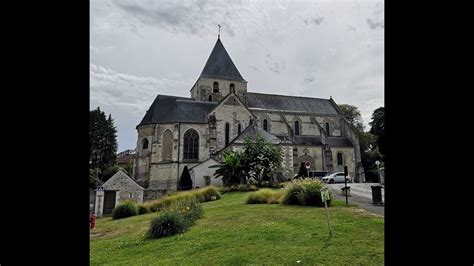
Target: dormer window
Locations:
point(232, 87)
point(215, 87)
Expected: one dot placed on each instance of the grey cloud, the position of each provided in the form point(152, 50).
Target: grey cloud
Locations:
point(308, 80)
point(194, 17)
point(315, 21)
point(273, 64)
point(375, 24)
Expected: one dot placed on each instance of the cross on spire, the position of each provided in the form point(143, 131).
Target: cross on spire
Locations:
point(219, 36)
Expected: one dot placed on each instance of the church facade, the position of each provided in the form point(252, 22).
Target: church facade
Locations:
point(178, 131)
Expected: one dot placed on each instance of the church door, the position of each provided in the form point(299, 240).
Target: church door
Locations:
point(109, 201)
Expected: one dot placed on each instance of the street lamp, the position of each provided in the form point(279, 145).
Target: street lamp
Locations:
point(378, 168)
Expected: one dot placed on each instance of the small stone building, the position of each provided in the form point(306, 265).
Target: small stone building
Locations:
point(118, 188)
point(198, 173)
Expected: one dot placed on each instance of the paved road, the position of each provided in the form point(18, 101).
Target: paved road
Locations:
point(361, 194)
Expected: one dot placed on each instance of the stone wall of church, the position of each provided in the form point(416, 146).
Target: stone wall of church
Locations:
point(204, 87)
point(348, 159)
point(313, 154)
point(233, 113)
point(142, 162)
point(335, 126)
point(278, 122)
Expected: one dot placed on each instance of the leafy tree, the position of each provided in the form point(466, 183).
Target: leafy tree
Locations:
point(352, 115)
point(129, 168)
point(230, 169)
point(261, 159)
point(102, 141)
point(185, 181)
point(378, 128)
point(94, 180)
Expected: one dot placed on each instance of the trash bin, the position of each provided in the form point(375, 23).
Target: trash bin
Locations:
point(377, 195)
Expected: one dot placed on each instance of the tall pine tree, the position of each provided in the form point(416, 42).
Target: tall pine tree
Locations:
point(102, 140)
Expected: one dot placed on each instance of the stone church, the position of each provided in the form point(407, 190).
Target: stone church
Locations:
point(194, 132)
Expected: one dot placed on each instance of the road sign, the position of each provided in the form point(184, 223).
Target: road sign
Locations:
point(100, 188)
point(307, 164)
point(325, 197)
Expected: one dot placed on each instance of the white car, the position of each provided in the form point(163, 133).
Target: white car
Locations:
point(336, 178)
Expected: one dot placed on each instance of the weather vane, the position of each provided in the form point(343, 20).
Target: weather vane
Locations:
point(219, 36)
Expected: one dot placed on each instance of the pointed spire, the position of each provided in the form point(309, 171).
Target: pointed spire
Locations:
point(219, 35)
point(220, 65)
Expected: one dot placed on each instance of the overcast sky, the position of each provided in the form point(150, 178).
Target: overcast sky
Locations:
point(139, 49)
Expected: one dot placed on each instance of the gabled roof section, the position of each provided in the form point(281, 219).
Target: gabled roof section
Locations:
point(220, 65)
point(222, 102)
point(251, 131)
point(290, 103)
point(173, 109)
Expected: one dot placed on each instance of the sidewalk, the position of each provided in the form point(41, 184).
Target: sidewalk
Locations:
point(362, 202)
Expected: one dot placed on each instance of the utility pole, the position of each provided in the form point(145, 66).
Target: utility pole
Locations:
point(345, 184)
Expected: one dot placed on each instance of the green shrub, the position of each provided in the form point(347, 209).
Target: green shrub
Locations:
point(189, 208)
point(201, 195)
point(166, 224)
point(124, 210)
point(306, 192)
point(142, 209)
point(208, 192)
point(292, 193)
point(264, 196)
point(176, 218)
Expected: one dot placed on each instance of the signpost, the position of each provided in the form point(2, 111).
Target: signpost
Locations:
point(345, 184)
point(308, 165)
point(325, 197)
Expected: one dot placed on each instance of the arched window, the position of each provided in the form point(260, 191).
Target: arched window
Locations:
point(227, 129)
point(167, 147)
point(327, 129)
point(232, 87)
point(210, 98)
point(215, 88)
point(339, 159)
point(297, 128)
point(191, 145)
point(144, 144)
point(239, 129)
point(265, 125)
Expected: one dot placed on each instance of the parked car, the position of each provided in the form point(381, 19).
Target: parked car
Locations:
point(336, 178)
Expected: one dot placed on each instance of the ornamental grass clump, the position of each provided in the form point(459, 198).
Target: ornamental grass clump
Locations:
point(306, 192)
point(264, 196)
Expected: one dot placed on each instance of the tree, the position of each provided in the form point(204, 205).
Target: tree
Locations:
point(230, 169)
point(302, 172)
point(102, 141)
point(185, 182)
point(352, 115)
point(378, 128)
point(261, 159)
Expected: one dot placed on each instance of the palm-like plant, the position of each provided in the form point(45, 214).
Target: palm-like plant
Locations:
point(230, 168)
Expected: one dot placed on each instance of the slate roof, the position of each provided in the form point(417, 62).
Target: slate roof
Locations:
point(170, 109)
point(252, 130)
point(307, 140)
point(338, 142)
point(290, 103)
point(220, 65)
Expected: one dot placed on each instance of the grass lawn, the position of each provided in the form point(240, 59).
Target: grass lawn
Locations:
point(235, 233)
